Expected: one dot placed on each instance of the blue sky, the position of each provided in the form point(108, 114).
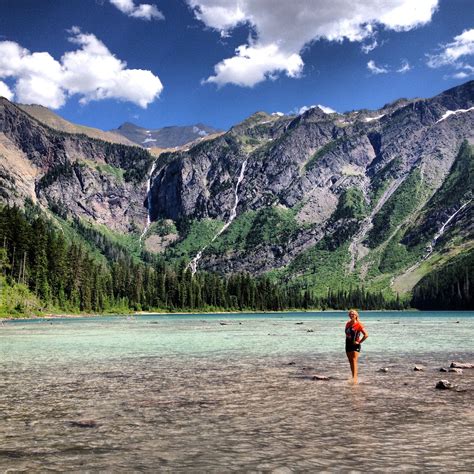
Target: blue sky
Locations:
point(104, 62)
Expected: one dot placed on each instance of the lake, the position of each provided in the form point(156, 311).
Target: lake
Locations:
point(215, 392)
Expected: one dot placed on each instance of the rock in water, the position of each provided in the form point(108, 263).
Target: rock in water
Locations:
point(84, 423)
point(418, 368)
point(383, 369)
point(455, 370)
point(462, 365)
point(443, 369)
point(444, 385)
point(319, 377)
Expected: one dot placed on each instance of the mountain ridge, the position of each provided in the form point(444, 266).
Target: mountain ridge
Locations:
point(315, 199)
point(173, 136)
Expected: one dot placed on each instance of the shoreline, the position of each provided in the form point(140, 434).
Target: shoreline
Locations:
point(47, 316)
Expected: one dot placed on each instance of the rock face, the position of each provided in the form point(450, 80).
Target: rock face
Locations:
point(332, 199)
point(73, 174)
point(386, 164)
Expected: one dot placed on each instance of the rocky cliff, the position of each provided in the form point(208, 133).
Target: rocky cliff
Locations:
point(378, 198)
point(73, 174)
point(357, 185)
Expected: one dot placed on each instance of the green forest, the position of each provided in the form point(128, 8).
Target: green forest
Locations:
point(46, 267)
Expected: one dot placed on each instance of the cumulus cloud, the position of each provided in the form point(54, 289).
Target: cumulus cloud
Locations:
point(255, 64)
point(281, 29)
point(5, 91)
point(453, 54)
point(144, 11)
point(374, 69)
point(91, 71)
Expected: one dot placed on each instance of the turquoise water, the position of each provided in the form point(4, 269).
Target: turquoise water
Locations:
point(210, 392)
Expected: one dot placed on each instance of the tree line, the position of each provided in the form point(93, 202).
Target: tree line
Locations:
point(75, 275)
point(450, 287)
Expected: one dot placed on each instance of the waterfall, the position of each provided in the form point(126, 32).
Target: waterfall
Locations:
point(441, 230)
point(148, 188)
point(233, 213)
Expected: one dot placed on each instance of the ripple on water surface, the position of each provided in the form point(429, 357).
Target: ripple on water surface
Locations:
point(192, 394)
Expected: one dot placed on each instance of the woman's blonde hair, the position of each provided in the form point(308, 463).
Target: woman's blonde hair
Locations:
point(354, 311)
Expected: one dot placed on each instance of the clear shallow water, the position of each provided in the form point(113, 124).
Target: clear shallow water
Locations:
point(187, 393)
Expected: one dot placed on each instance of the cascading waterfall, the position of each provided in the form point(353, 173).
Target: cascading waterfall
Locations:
point(148, 188)
point(441, 230)
point(431, 246)
point(233, 213)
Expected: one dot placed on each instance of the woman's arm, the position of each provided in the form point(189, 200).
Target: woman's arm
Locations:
point(365, 333)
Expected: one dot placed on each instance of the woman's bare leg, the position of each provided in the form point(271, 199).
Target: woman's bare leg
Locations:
point(355, 356)
point(350, 356)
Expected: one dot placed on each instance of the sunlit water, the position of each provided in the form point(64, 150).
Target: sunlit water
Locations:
point(216, 393)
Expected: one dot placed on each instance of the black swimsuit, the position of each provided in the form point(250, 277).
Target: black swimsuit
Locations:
point(352, 335)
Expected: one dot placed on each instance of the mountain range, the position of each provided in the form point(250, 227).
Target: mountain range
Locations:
point(374, 198)
point(166, 137)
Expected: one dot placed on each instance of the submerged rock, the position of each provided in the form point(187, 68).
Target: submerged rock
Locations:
point(418, 368)
point(455, 370)
point(444, 385)
point(383, 369)
point(443, 369)
point(320, 377)
point(462, 365)
point(310, 330)
point(83, 423)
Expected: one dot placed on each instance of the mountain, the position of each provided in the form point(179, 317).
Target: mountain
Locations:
point(380, 199)
point(167, 137)
point(54, 121)
point(333, 200)
point(71, 173)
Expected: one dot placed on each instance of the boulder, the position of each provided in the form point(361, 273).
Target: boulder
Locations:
point(445, 385)
point(462, 365)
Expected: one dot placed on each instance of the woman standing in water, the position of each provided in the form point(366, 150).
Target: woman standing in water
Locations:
point(353, 341)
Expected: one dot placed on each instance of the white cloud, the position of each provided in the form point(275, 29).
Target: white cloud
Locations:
point(144, 11)
point(281, 29)
point(405, 67)
point(463, 45)
point(327, 110)
point(91, 71)
point(374, 69)
point(255, 64)
point(305, 108)
point(450, 55)
point(461, 75)
point(368, 47)
point(5, 91)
